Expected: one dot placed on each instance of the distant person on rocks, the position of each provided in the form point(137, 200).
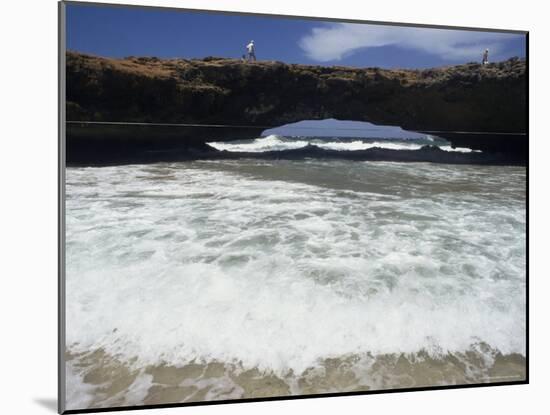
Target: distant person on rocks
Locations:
point(485, 59)
point(251, 51)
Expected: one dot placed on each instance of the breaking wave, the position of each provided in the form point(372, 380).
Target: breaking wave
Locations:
point(312, 275)
point(279, 143)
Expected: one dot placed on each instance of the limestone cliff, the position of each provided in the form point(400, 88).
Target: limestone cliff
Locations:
point(469, 98)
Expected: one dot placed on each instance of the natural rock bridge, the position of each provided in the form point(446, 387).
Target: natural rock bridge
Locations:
point(180, 104)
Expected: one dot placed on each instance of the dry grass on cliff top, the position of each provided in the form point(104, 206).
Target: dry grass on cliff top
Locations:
point(152, 67)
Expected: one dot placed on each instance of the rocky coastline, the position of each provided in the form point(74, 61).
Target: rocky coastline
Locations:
point(175, 106)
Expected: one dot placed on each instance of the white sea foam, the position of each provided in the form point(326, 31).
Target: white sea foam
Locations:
point(277, 143)
point(269, 143)
point(459, 149)
point(220, 261)
point(362, 145)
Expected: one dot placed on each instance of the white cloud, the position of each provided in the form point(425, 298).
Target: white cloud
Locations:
point(338, 40)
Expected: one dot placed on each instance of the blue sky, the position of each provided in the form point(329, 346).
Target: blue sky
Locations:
point(119, 32)
point(341, 128)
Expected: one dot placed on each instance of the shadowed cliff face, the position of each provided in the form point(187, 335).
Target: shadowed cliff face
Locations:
point(470, 97)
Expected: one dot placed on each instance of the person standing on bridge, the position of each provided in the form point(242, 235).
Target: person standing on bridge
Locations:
point(251, 51)
point(485, 59)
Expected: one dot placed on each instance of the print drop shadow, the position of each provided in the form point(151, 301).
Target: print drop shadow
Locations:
point(48, 403)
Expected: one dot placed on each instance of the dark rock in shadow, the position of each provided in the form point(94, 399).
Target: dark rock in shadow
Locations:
point(468, 98)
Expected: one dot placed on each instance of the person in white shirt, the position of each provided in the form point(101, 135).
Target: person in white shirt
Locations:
point(251, 51)
point(485, 59)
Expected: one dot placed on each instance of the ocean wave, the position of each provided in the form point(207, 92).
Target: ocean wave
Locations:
point(278, 143)
point(216, 265)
